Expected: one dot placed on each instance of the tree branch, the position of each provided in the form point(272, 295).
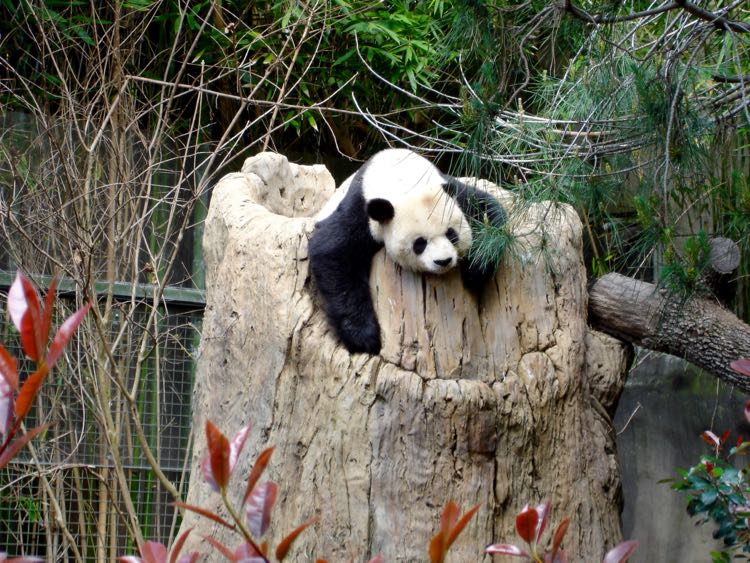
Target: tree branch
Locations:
point(720, 22)
point(696, 329)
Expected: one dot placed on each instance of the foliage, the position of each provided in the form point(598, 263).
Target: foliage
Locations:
point(257, 506)
point(638, 117)
point(296, 58)
point(719, 492)
point(33, 321)
point(530, 525)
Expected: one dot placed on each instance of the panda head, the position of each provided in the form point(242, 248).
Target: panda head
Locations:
point(423, 230)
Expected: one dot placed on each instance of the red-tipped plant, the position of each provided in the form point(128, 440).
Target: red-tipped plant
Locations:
point(153, 552)
point(33, 324)
point(451, 525)
point(530, 525)
point(257, 502)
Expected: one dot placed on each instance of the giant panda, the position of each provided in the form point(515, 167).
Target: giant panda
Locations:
point(423, 217)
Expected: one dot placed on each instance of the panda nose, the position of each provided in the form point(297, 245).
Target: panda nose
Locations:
point(444, 262)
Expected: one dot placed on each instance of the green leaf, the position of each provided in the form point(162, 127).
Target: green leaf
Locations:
point(345, 57)
point(311, 120)
point(709, 497)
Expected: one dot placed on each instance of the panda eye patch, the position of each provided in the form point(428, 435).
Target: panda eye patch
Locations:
point(420, 243)
point(452, 235)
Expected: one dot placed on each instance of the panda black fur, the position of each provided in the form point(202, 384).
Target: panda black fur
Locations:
point(423, 217)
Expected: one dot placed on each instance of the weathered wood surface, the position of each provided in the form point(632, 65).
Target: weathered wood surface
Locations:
point(501, 403)
point(697, 329)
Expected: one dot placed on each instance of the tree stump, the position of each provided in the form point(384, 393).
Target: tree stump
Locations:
point(500, 403)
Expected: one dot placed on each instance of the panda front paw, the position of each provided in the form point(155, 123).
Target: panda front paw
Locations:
point(360, 335)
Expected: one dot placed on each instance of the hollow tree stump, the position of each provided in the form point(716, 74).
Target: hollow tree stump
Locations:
point(501, 403)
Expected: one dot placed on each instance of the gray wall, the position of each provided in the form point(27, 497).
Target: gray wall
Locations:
point(677, 403)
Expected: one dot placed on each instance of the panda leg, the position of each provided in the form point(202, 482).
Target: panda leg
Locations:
point(342, 275)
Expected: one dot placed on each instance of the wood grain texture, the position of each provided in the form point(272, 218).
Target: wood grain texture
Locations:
point(499, 403)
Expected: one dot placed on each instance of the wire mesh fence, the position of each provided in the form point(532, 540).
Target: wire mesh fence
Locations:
point(72, 494)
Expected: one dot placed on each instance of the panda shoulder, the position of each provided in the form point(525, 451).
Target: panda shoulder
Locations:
point(335, 200)
point(391, 173)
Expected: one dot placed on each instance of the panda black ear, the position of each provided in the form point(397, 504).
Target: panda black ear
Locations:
point(381, 210)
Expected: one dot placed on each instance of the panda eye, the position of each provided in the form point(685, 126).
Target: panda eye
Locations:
point(420, 243)
point(452, 235)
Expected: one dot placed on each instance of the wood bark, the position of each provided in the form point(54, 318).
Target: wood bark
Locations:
point(697, 329)
point(501, 402)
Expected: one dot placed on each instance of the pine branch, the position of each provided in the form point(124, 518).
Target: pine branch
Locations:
point(720, 22)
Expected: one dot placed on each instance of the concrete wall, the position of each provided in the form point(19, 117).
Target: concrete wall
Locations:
point(677, 403)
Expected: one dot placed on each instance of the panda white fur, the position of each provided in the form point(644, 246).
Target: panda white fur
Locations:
point(423, 217)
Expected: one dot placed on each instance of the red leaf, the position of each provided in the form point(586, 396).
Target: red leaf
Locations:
point(20, 442)
point(449, 517)
point(562, 528)
point(526, 521)
point(153, 552)
point(29, 389)
point(204, 512)
point(236, 445)
point(64, 333)
point(218, 454)
point(439, 543)
point(23, 306)
point(505, 549)
point(6, 406)
point(258, 468)
point(559, 557)
point(621, 552)
point(543, 510)
point(283, 548)
point(17, 305)
point(49, 305)
point(8, 368)
point(724, 437)
point(711, 439)
point(208, 475)
point(259, 506)
point(177, 546)
point(436, 549)
point(225, 551)
point(747, 410)
point(741, 366)
point(247, 552)
point(460, 525)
